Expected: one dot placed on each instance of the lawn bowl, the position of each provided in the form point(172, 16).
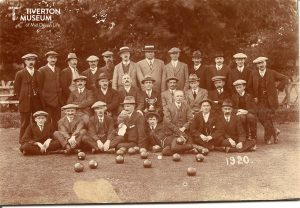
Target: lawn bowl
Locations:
point(147, 163)
point(81, 155)
point(78, 167)
point(144, 155)
point(120, 152)
point(199, 157)
point(191, 171)
point(180, 140)
point(131, 151)
point(93, 164)
point(119, 159)
point(176, 157)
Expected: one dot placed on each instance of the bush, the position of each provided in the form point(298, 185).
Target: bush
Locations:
point(9, 120)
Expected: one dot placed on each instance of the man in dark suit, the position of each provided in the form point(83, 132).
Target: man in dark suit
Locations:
point(67, 76)
point(71, 131)
point(38, 137)
point(109, 67)
point(203, 127)
point(198, 68)
point(262, 86)
point(27, 91)
point(131, 127)
point(100, 128)
point(240, 71)
point(49, 85)
point(107, 95)
point(246, 109)
point(218, 94)
point(167, 97)
point(233, 137)
point(195, 94)
point(92, 73)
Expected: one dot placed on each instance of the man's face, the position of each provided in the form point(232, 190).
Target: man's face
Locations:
point(108, 59)
point(148, 85)
point(126, 80)
point(80, 83)
point(149, 54)
point(93, 64)
point(219, 84)
point(240, 88)
point(40, 120)
point(29, 62)
point(103, 83)
point(178, 96)
point(227, 110)
point(205, 107)
point(125, 56)
point(219, 60)
point(52, 60)
point(129, 108)
point(73, 62)
point(197, 61)
point(240, 62)
point(152, 121)
point(194, 85)
point(261, 65)
point(174, 56)
point(70, 112)
point(100, 111)
point(172, 84)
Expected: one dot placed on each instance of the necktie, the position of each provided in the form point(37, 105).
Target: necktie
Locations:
point(220, 91)
point(152, 128)
point(148, 93)
point(31, 72)
point(41, 127)
point(172, 93)
point(151, 65)
point(194, 94)
point(174, 65)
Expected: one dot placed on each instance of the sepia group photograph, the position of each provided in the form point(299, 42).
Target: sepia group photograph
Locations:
point(149, 101)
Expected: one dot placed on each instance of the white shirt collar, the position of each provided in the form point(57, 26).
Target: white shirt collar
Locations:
point(94, 70)
point(178, 105)
point(101, 118)
point(81, 90)
point(149, 92)
point(174, 63)
point(72, 68)
point(219, 66)
point(154, 127)
point(262, 73)
point(243, 93)
point(104, 91)
point(129, 115)
point(127, 88)
point(126, 63)
point(196, 90)
point(196, 67)
point(30, 71)
point(69, 119)
point(51, 67)
point(241, 68)
point(227, 117)
point(222, 89)
point(148, 61)
point(205, 116)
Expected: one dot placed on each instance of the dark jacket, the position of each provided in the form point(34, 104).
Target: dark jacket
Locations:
point(84, 100)
point(112, 99)
point(101, 132)
point(91, 81)
point(34, 134)
point(250, 103)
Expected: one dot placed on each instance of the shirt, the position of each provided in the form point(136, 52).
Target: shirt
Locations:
point(196, 67)
point(149, 92)
point(74, 72)
point(127, 89)
point(69, 119)
point(30, 71)
point(219, 67)
point(80, 90)
point(174, 63)
point(150, 62)
point(172, 92)
point(126, 62)
point(241, 68)
point(104, 91)
point(227, 118)
point(153, 127)
point(41, 127)
point(94, 70)
point(220, 90)
point(205, 117)
point(178, 105)
point(101, 119)
point(51, 67)
point(243, 93)
point(262, 73)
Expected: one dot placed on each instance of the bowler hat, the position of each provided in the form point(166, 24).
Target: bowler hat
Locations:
point(149, 48)
point(29, 55)
point(92, 58)
point(71, 56)
point(69, 106)
point(148, 78)
point(193, 78)
point(40, 113)
point(51, 53)
point(102, 76)
point(227, 103)
point(98, 104)
point(129, 100)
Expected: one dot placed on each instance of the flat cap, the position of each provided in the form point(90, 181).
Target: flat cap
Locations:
point(149, 48)
point(193, 78)
point(80, 77)
point(51, 53)
point(197, 54)
point(216, 78)
point(260, 59)
point(98, 104)
point(69, 106)
point(40, 113)
point(172, 78)
point(71, 56)
point(227, 103)
point(206, 100)
point(148, 78)
point(174, 50)
point(102, 76)
point(129, 100)
point(124, 49)
point(239, 82)
point(107, 53)
point(29, 55)
point(150, 114)
point(240, 56)
point(219, 54)
point(92, 58)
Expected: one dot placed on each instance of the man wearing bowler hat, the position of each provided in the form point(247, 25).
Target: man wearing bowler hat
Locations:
point(109, 65)
point(131, 127)
point(150, 66)
point(92, 73)
point(51, 91)
point(262, 86)
point(195, 94)
point(125, 67)
point(26, 88)
point(176, 68)
point(167, 97)
point(198, 68)
point(67, 76)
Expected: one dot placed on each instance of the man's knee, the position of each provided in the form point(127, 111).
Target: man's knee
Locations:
point(82, 132)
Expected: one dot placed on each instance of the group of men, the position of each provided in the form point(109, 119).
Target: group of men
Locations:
point(146, 105)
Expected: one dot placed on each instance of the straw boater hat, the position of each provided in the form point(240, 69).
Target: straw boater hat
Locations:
point(51, 53)
point(40, 113)
point(69, 106)
point(129, 100)
point(92, 58)
point(124, 49)
point(98, 104)
point(29, 55)
point(149, 48)
point(148, 78)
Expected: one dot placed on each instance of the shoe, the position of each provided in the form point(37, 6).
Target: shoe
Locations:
point(276, 140)
point(76, 151)
point(254, 148)
point(95, 151)
point(268, 142)
point(277, 131)
point(227, 149)
point(111, 151)
point(193, 151)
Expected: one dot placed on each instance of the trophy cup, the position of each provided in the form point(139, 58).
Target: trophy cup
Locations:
point(151, 102)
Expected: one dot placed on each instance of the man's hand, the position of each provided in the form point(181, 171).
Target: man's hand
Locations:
point(106, 145)
point(47, 143)
point(72, 142)
point(100, 145)
point(182, 129)
point(232, 142)
point(139, 111)
point(256, 100)
point(208, 138)
point(239, 145)
point(42, 148)
point(242, 112)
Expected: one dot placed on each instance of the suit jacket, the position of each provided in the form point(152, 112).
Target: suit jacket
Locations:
point(234, 74)
point(112, 99)
point(154, 94)
point(84, 100)
point(23, 89)
point(215, 96)
point(250, 103)
point(156, 136)
point(175, 118)
point(34, 134)
point(166, 98)
point(70, 129)
point(66, 79)
point(119, 72)
point(271, 78)
point(91, 78)
point(201, 95)
point(109, 70)
point(180, 72)
point(212, 71)
point(156, 72)
point(233, 129)
point(136, 93)
point(101, 132)
point(201, 72)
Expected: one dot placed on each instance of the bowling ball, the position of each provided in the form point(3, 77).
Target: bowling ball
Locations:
point(191, 171)
point(147, 163)
point(78, 167)
point(93, 164)
point(176, 157)
point(199, 158)
point(81, 155)
point(119, 159)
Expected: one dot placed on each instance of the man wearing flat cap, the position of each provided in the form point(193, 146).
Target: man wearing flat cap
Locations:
point(126, 66)
point(38, 137)
point(109, 65)
point(100, 128)
point(26, 88)
point(51, 91)
point(107, 95)
point(67, 76)
point(240, 71)
point(150, 66)
point(198, 68)
point(262, 86)
point(195, 94)
point(167, 97)
point(219, 69)
point(176, 68)
point(92, 73)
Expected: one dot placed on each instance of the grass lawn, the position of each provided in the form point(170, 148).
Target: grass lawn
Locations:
point(271, 173)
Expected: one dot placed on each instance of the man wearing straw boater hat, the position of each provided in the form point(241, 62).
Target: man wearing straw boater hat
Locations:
point(92, 73)
point(109, 67)
point(195, 94)
point(150, 66)
point(126, 66)
point(67, 76)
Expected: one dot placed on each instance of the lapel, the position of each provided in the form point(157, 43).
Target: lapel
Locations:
point(190, 94)
point(130, 67)
point(147, 66)
point(178, 67)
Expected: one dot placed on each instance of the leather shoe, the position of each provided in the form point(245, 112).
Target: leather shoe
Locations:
point(268, 142)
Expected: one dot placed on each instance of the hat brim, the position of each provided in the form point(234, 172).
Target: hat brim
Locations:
point(203, 101)
point(152, 114)
point(227, 105)
point(71, 58)
point(143, 81)
point(149, 50)
point(124, 51)
point(172, 79)
point(79, 79)
point(45, 115)
point(194, 80)
point(131, 103)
